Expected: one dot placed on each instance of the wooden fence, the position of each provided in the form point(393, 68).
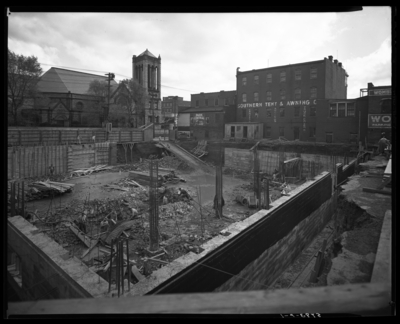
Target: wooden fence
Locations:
point(29, 136)
point(32, 161)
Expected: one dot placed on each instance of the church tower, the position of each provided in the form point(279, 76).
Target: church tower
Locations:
point(146, 70)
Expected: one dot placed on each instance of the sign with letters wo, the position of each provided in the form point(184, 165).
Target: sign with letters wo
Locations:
point(379, 121)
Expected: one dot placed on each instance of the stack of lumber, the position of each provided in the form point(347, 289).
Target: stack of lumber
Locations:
point(59, 187)
point(200, 149)
point(87, 171)
point(143, 178)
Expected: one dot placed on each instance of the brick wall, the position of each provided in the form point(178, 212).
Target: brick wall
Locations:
point(263, 271)
point(47, 269)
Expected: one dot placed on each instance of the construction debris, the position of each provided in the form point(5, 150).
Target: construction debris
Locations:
point(56, 187)
point(200, 149)
point(87, 171)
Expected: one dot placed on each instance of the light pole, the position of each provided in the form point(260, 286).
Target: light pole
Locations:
point(110, 76)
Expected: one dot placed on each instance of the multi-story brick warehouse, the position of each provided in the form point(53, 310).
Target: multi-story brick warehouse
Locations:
point(209, 112)
point(285, 98)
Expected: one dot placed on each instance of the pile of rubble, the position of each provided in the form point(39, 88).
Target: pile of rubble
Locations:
point(167, 162)
point(175, 209)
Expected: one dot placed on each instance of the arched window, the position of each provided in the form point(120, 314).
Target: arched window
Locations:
point(282, 94)
point(244, 97)
point(256, 79)
point(255, 96)
point(313, 92)
point(297, 94)
point(244, 81)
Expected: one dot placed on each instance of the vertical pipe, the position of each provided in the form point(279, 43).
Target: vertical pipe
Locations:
point(23, 199)
point(109, 273)
point(121, 243)
point(18, 197)
point(12, 198)
point(128, 268)
point(267, 194)
point(12, 162)
point(19, 161)
point(117, 271)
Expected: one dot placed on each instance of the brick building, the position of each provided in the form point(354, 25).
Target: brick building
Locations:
point(170, 107)
point(209, 112)
point(353, 120)
point(285, 98)
point(146, 70)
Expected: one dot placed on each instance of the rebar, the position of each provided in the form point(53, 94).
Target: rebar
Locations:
point(153, 201)
point(128, 268)
point(111, 259)
point(122, 264)
point(117, 267)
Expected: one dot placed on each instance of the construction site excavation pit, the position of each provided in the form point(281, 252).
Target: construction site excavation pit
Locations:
point(198, 250)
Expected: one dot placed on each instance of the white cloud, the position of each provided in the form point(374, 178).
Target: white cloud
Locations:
point(375, 68)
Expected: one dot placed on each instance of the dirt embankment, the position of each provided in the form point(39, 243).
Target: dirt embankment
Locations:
point(351, 256)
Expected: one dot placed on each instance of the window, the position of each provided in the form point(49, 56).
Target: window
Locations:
point(313, 111)
point(282, 94)
point(269, 78)
point(351, 111)
point(216, 102)
point(296, 132)
point(282, 112)
point(244, 113)
point(226, 102)
point(332, 110)
point(312, 131)
point(256, 79)
point(281, 131)
point(341, 109)
point(206, 102)
point(296, 111)
point(329, 137)
point(255, 96)
point(244, 81)
point(297, 75)
point(269, 95)
point(283, 76)
point(267, 131)
point(255, 112)
point(269, 112)
point(244, 97)
point(313, 92)
point(313, 73)
point(297, 93)
point(197, 103)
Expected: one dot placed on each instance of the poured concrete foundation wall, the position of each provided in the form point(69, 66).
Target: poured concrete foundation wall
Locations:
point(227, 256)
point(269, 160)
point(263, 271)
point(48, 271)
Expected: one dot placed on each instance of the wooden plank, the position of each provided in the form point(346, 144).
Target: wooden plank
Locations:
point(372, 190)
point(360, 299)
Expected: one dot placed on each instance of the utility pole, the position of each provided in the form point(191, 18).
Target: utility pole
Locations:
point(111, 76)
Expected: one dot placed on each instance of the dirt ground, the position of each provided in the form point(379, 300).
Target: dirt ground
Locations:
point(183, 224)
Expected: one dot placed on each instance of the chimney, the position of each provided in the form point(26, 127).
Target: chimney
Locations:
point(340, 64)
point(330, 57)
point(336, 61)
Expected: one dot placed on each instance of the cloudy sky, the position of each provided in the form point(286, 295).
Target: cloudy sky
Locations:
point(201, 51)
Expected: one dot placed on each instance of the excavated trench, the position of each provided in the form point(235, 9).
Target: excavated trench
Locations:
point(351, 255)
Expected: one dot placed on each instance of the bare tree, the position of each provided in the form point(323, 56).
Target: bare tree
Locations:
point(136, 99)
point(23, 75)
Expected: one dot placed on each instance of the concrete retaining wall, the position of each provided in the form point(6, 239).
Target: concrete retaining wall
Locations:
point(48, 271)
point(269, 160)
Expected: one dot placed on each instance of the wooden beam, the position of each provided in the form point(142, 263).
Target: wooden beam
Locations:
point(356, 299)
point(383, 192)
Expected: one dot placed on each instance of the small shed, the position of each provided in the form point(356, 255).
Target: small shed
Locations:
point(250, 131)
